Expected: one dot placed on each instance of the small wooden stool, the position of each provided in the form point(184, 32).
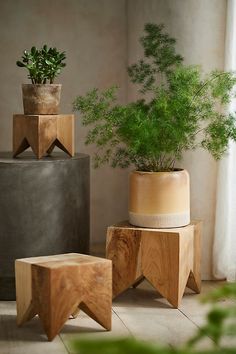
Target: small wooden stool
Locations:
point(42, 133)
point(54, 287)
point(168, 258)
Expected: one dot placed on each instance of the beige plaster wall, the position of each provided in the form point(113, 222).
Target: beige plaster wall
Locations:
point(93, 34)
point(199, 27)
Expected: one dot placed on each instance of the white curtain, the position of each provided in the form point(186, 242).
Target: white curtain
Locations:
point(224, 249)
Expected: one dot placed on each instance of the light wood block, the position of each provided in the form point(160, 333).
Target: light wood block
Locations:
point(168, 258)
point(42, 133)
point(54, 287)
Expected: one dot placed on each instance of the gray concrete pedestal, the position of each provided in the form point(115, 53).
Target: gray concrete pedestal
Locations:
point(44, 209)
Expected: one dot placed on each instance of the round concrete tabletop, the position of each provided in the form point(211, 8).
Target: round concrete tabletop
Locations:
point(29, 157)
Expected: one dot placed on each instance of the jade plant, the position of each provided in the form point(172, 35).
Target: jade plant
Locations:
point(43, 65)
point(220, 325)
point(179, 109)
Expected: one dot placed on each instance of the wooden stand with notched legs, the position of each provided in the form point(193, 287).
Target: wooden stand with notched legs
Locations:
point(168, 258)
point(42, 133)
point(54, 287)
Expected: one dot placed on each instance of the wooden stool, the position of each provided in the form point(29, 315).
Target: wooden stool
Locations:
point(168, 258)
point(43, 133)
point(54, 287)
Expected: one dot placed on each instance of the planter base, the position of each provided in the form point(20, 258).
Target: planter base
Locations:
point(159, 199)
point(160, 220)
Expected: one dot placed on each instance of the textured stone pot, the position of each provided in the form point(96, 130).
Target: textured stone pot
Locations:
point(41, 99)
point(159, 199)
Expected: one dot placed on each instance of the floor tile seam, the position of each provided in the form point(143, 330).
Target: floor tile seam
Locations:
point(122, 321)
point(194, 323)
point(64, 344)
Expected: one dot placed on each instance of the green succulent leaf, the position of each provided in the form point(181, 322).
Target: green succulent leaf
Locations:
point(33, 50)
point(43, 64)
point(20, 64)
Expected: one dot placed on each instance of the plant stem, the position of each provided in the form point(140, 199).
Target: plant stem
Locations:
point(204, 85)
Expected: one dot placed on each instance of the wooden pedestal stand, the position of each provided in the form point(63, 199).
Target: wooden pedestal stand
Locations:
point(54, 287)
point(168, 258)
point(42, 133)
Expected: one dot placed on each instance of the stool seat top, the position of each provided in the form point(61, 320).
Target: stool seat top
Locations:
point(60, 260)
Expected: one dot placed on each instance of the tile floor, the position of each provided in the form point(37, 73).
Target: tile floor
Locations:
point(139, 312)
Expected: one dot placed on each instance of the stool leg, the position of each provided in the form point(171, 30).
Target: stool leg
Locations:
point(160, 263)
point(65, 134)
point(170, 262)
point(97, 288)
point(124, 250)
point(24, 305)
point(194, 281)
point(22, 146)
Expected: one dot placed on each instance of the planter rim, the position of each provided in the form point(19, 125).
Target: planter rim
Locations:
point(42, 85)
point(177, 170)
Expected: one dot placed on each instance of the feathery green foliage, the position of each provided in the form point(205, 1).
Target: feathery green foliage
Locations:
point(220, 324)
point(179, 110)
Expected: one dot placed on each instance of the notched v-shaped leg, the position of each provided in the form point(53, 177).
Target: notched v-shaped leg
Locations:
point(194, 281)
point(160, 263)
point(57, 291)
point(167, 261)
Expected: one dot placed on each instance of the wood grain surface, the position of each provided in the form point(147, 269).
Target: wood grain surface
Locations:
point(168, 258)
point(42, 133)
point(124, 250)
point(56, 286)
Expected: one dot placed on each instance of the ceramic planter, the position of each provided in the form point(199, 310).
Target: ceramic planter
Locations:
point(159, 199)
point(41, 99)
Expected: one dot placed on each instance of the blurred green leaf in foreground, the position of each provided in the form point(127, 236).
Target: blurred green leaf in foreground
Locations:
point(220, 325)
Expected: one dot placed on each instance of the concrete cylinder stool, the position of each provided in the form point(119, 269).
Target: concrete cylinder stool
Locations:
point(54, 287)
point(44, 209)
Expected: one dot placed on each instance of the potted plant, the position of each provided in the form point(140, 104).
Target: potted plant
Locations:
point(179, 110)
point(42, 96)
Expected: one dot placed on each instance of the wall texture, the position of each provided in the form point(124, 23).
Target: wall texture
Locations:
point(101, 38)
point(93, 34)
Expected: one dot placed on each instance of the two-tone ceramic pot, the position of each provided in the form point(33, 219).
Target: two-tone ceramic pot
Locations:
point(159, 199)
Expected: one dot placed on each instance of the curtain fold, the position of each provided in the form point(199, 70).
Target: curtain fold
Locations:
point(224, 248)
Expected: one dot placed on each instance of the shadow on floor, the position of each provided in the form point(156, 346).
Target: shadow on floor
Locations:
point(145, 296)
point(32, 331)
point(141, 298)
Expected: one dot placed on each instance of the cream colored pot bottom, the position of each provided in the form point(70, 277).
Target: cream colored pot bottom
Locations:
point(159, 220)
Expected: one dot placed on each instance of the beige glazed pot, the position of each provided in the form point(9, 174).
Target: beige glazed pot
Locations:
point(159, 199)
point(41, 98)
